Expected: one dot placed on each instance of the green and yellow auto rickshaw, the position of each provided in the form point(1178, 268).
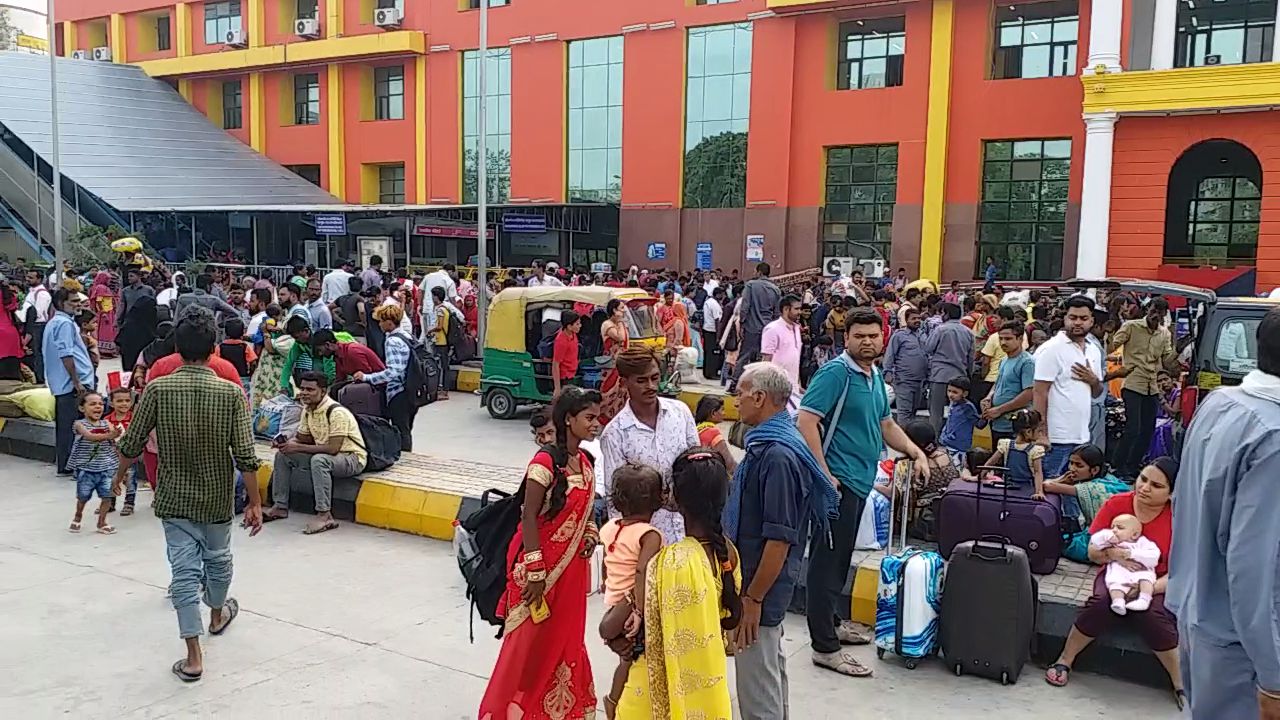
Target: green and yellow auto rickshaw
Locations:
point(521, 320)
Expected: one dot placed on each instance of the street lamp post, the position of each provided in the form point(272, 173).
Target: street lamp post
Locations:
point(55, 157)
point(482, 175)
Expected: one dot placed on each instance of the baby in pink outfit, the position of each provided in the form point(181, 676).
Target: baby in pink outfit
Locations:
point(1126, 532)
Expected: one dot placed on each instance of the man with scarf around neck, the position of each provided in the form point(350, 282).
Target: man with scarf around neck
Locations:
point(1224, 579)
point(777, 491)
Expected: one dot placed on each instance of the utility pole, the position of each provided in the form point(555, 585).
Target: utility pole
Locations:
point(482, 176)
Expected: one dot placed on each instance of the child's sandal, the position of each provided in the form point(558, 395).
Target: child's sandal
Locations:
point(75, 526)
point(126, 511)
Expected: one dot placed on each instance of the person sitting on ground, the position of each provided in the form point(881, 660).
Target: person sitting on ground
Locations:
point(1086, 484)
point(1126, 533)
point(708, 416)
point(925, 491)
point(327, 445)
point(1149, 502)
point(349, 358)
point(236, 351)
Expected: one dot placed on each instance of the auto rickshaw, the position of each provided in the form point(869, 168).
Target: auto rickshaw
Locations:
point(520, 321)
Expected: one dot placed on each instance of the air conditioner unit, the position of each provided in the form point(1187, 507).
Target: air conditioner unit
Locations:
point(102, 54)
point(387, 17)
point(81, 55)
point(306, 28)
point(872, 268)
point(236, 39)
point(837, 266)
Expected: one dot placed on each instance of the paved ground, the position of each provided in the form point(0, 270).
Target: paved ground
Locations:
point(356, 623)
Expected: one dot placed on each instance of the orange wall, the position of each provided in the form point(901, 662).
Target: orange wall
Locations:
point(652, 117)
point(538, 72)
point(295, 144)
point(444, 129)
point(376, 141)
point(1145, 151)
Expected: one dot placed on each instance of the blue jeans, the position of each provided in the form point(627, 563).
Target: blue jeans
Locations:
point(131, 490)
point(1054, 462)
point(198, 552)
point(88, 482)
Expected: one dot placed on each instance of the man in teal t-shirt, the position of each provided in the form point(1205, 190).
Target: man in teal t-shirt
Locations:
point(844, 419)
point(1014, 386)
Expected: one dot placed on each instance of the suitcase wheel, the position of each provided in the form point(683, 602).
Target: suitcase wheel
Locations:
point(1004, 678)
point(959, 670)
point(880, 653)
point(911, 663)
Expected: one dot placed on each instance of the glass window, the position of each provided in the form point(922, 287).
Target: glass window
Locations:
point(595, 120)
point(232, 118)
point(1036, 40)
point(310, 173)
point(713, 2)
point(1022, 220)
point(717, 106)
point(306, 99)
point(475, 4)
point(497, 124)
point(307, 9)
point(1222, 220)
point(391, 184)
point(219, 19)
point(1237, 347)
point(862, 188)
point(871, 53)
point(1224, 32)
point(388, 4)
point(163, 38)
point(388, 93)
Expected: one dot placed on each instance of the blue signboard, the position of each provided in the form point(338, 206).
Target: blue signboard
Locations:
point(703, 252)
point(529, 224)
point(333, 224)
point(656, 251)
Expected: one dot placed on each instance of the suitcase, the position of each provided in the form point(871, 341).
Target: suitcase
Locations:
point(908, 598)
point(989, 608)
point(1033, 525)
point(361, 398)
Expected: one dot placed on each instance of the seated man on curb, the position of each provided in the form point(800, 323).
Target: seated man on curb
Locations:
point(328, 445)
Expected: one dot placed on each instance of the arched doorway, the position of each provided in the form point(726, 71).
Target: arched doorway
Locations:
point(1214, 205)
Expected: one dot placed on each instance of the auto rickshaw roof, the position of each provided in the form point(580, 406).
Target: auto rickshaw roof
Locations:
point(506, 325)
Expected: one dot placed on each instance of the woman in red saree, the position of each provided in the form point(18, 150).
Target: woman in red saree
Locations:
point(543, 672)
point(102, 298)
point(615, 334)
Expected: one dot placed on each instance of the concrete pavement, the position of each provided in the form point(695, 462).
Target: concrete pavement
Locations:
point(354, 623)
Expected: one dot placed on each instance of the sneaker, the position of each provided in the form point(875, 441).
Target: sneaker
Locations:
point(852, 633)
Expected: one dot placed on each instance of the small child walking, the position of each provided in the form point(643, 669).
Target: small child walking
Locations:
point(120, 416)
point(1023, 453)
point(630, 542)
point(94, 461)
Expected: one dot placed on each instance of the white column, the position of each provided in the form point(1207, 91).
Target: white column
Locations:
point(1095, 196)
point(1105, 20)
point(1164, 34)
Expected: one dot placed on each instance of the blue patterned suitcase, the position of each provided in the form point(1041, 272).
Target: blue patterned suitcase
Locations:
point(909, 596)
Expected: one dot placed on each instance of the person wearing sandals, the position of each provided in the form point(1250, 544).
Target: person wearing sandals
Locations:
point(1150, 503)
point(327, 445)
point(93, 461)
point(202, 436)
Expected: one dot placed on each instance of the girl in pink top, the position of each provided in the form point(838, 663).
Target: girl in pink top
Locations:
point(630, 542)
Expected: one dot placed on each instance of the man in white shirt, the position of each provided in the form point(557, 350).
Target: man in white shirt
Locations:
point(445, 278)
point(1068, 376)
point(336, 283)
point(41, 300)
point(712, 314)
point(540, 278)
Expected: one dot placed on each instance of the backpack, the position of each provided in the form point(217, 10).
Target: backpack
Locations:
point(379, 439)
point(422, 376)
point(481, 543)
point(453, 334)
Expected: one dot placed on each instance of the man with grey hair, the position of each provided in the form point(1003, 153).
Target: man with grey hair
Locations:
point(778, 489)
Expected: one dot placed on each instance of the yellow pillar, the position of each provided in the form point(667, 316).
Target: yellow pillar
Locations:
point(337, 149)
point(257, 23)
point(257, 113)
point(333, 18)
point(935, 149)
point(117, 41)
point(184, 89)
point(420, 128)
point(68, 38)
point(182, 24)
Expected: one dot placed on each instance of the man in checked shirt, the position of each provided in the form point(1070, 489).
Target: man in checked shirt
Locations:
point(195, 494)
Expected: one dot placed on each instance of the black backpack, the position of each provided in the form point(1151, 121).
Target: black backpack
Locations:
point(422, 377)
point(483, 557)
point(379, 439)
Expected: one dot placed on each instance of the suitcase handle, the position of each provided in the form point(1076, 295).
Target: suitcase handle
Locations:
point(484, 496)
point(1004, 500)
point(987, 552)
point(906, 503)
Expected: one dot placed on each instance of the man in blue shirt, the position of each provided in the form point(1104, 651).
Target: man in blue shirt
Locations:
point(844, 419)
point(68, 370)
point(906, 367)
point(990, 274)
point(1015, 383)
point(950, 349)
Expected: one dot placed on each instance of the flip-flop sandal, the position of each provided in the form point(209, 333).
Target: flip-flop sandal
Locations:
point(106, 530)
point(848, 665)
point(74, 527)
point(230, 609)
point(268, 518)
point(180, 670)
point(1180, 698)
point(1064, 674)
point(331, 525)
point(128, 510)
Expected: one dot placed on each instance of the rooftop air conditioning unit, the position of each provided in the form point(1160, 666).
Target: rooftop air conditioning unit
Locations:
point(236, 39)
point(837, 266)
point(307, 28)
point(102, 54)
point(872, 268)
point(81, 55)
point(387, 17)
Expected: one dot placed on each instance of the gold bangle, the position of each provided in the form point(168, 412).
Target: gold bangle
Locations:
point(532, 556)
point(536, 576)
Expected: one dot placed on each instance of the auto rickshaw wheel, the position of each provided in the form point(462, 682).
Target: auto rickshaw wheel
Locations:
point(501, 405)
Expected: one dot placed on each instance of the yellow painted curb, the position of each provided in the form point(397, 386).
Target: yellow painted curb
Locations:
point(691, 398)
point(866, 583)
point(408, 509)
point(468, 379)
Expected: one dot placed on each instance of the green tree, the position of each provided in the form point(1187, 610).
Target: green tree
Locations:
point(499, 176)
point(8, 31)
point(715, 172)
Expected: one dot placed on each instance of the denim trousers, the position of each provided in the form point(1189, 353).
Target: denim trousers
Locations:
point(198, 552)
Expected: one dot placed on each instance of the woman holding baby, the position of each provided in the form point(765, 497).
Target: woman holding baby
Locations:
point(1130, 588)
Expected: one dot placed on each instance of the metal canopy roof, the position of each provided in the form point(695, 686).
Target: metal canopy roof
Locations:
point(134, 142)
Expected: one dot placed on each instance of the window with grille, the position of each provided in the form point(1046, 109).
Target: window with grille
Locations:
point(1222, 219)
point(475, 4)
point(307, 9)
point(1036, 40)
point(595, 120)
point(310, 173)
point(497, 126)
point(1224, 32)
point(306, 99)
point(717, 108)
point(862, 188)
point(391, 184)
point(220, 18)
point(163, 38)
point(871, 53)
point(1022, 220)
point(388, 93)
point(232, 116)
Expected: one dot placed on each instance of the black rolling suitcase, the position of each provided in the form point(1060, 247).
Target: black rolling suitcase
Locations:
point(989, 607)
